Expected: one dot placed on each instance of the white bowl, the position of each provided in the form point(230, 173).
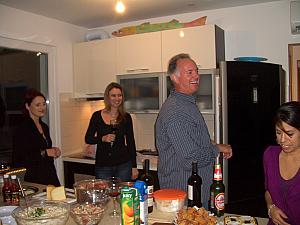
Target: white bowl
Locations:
point(5, 215)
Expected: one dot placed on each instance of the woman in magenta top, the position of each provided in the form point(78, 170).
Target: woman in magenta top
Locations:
point(281, 165)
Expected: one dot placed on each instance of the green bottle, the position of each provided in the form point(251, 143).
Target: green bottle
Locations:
point(217, 191)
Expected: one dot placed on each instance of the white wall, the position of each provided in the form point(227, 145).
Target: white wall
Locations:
point(253, 30)
point(19, 29)
point(20, 25)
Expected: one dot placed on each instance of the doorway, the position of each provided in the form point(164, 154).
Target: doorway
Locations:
point(19, 70)
point(294, 75)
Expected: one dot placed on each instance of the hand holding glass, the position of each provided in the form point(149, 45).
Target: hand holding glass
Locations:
point(113, 127)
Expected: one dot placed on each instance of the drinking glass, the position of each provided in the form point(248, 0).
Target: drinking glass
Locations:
point(113, 128)
point(114, 191)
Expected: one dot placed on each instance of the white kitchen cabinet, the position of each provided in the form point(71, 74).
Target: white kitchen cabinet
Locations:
point(94, 67)
point(205, 44)
point(140, 53)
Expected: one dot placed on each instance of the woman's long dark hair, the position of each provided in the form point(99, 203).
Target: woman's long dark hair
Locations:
point(30, 94)
point(289, 113)
point(107, 104)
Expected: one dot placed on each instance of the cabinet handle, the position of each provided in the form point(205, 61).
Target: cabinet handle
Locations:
point(136, 70)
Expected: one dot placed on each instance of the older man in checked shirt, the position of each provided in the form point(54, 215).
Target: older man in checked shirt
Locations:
point(181, 133)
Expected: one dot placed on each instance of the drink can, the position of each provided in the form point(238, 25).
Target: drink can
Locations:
point(130, 206)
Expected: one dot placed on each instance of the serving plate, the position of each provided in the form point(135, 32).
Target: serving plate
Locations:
point(30, 190)
point(250, 59)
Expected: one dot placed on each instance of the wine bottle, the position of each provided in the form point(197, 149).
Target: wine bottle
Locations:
point(194, 188)
point(147, 177)
point(217, 191)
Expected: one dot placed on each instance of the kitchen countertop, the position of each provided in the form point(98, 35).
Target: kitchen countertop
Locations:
point(80, 158)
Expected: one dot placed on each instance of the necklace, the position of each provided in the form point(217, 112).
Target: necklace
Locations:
point(113, 115)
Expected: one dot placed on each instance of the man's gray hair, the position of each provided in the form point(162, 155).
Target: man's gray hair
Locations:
point(172, 67)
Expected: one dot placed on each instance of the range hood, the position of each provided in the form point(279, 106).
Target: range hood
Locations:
point(89, 96)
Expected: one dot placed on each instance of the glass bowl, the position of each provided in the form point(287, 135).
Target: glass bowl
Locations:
point(42, 212)
point(92, 191)
point(87, 213)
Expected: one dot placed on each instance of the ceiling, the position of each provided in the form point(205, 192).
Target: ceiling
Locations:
point(98, 13)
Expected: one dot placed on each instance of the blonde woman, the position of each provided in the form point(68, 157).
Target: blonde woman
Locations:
point(116, 151)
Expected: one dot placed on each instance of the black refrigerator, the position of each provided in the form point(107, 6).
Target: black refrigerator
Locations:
point(251, 93)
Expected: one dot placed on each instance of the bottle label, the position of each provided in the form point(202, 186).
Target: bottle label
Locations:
point(190, 192)
point(150, 195)
point(220, 201)
point(15, 199)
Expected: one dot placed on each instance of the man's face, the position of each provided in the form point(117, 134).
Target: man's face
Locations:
point(187, 82)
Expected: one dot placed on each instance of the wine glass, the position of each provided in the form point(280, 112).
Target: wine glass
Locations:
point(114, 191)
point(113, 128)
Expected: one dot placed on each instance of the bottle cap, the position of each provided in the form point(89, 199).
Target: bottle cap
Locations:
point(141, 186)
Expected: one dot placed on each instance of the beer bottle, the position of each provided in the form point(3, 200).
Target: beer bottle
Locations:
point(194, 188)
point(217, 191)
point(6, 189)
point(149, 180)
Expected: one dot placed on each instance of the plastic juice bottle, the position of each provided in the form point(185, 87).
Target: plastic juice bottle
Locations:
point(141, 186)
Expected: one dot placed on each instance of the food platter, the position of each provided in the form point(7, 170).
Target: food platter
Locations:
point(240, 220)
point(198, 216)
point(195, 216)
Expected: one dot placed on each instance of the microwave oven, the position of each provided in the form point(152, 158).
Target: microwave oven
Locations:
point(143, 92)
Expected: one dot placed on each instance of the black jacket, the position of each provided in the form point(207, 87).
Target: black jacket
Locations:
point(28, 143)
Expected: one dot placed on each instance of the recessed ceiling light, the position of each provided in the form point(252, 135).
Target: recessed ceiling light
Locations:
point(120, 7)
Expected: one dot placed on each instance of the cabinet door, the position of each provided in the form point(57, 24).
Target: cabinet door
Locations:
point(94, 66)
point(103, 63)
point(139, 53)
point(198, 42)
point(81, 61)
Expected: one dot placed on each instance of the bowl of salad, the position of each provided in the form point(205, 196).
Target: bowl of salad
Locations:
point(42, 212)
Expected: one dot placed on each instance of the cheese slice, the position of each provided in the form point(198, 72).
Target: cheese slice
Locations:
point(49, 188)
point(58, 193)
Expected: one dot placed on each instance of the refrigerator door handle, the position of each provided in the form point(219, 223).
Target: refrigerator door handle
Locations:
point(218, 109)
